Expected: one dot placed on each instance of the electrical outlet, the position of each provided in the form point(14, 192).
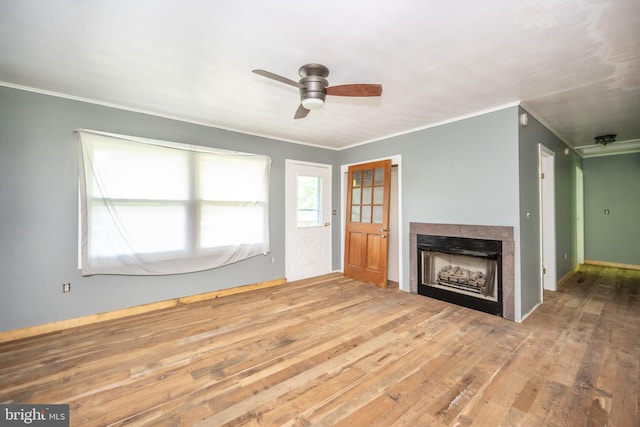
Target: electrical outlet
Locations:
point(66, 288)
point(273, 260)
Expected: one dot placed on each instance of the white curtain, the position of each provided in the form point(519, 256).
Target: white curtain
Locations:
point(152, 207)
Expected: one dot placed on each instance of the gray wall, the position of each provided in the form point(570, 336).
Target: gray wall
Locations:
point(531, 135)
point(465, 172)
point(39, 210)
point(474, 171)
point(612, 183)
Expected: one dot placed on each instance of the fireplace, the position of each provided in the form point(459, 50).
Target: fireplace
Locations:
point(462, 271)
point(469, 265)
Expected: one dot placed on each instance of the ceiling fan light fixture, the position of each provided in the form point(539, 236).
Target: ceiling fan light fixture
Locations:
point(605, 139)
point(312, 103)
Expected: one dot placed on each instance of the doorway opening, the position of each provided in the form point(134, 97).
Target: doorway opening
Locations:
point(579, 215)
point(396, 247)
point(547, 219)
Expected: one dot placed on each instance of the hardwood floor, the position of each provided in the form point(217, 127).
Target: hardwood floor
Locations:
point(332, 351)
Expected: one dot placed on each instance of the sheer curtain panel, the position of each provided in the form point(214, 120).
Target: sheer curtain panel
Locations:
point(150, 207)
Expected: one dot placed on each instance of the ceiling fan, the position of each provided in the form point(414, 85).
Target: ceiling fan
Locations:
point(314, 87)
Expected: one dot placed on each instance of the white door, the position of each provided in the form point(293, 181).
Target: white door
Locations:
point(580, 215)
point(547, 218)
point(308, 219)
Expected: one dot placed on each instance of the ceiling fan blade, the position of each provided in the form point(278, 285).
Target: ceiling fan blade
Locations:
point(355, 90)
point(281, 79)
point(301, 112)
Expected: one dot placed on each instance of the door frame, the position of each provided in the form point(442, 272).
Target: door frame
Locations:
point(547, 207)
point(291, 204)
point(579, 215)
point(396, 160)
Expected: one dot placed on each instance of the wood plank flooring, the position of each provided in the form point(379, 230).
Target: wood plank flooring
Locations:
point(331, 351)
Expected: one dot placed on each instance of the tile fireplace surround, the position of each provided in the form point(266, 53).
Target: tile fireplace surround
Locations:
point(489, 232)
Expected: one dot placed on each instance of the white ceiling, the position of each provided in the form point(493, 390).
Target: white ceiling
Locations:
point(574, 64)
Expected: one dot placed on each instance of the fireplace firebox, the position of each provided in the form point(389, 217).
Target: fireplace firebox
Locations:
point(462, 271)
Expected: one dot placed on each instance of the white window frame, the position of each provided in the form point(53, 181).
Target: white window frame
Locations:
point(249, 236)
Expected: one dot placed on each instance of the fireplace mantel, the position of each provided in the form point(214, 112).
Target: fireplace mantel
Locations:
point(489, 232)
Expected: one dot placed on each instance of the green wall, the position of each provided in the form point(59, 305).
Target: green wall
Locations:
point(531, 135)
point(612, 183)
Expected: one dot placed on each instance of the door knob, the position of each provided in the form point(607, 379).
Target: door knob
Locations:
point(326, 224)
point(384, 229)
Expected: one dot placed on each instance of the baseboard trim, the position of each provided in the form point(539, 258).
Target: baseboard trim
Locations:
point(567, 276)
point(527, 314)
point(62, 325)
point(612, 264)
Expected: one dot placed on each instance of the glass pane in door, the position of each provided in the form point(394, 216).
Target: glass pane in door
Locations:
point(377, 215)
point(366, 214)
point(378, 176)
point(367, 177)
point(355, 213)
point(309, 197)
point(378, 195)
point(357, 179)
point(366, 196)
point(355, 195)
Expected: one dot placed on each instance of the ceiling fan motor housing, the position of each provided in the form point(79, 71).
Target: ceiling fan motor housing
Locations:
point(314, 81)
point(314, 87)
point(313, 70)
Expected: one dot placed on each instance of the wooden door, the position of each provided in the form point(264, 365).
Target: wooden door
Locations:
point(367, 222)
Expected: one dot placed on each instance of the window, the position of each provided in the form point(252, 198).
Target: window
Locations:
point(156, 207)
point(309, 198)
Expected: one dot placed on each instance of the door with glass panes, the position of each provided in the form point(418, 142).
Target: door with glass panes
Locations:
point(367, 222)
